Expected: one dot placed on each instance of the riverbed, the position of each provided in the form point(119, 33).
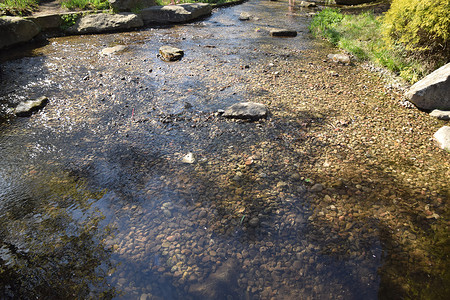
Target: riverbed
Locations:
point(130, 185)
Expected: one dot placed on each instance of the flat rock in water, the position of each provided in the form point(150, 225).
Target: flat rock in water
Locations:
point(280, 32)
point(26, 109)
point(180, 13)
point(442, 137)
point(112, 50)
point(244, 16)
point(169, 53)
point(440, 114)
point(246, 110)
point(16, 30)
point(433, 91)
point(339, 58)
point(97, 23)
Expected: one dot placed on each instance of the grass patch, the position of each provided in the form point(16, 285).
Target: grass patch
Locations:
point(85, 4)
point(18, 7)
point(362, 35)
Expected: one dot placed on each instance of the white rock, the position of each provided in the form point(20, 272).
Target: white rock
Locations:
point(188, 158)
point(440, 114)
point(112, 50)
point(442, 137)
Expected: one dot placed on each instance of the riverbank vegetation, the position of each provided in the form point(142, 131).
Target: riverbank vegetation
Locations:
point(85, 4)
point(411, 39)
point(18, 7)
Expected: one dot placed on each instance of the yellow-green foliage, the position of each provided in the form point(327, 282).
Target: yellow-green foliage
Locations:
point(419, 26)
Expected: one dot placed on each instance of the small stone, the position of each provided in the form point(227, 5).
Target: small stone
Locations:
point(317, 188)
point(246, 110)
point(279, 32)
point(25, 109)
point(169, 53)
point(188, 158)
point(254, 222)
point(339, 58)
point(112, 50)
point(441, 114)
point(307, 4)
point(244, 16)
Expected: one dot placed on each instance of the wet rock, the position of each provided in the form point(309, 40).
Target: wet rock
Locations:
point(112, 50)
point(97, 23)
point(175, 13)
point(352, 2)
point(280, 32)
point(129, 5)
point(188, 158)
point(219, 285)
point(440, 114)
point(25, 109)
point(246, 110)
point(169, 53)
point(254, 222)
point(339, 58)
point(244, 16)
point(442, 137)
point(433, 91)
point(16, 30)
point(307, 4)
point(317, 188)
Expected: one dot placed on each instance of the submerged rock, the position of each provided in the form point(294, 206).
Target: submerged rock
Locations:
point(26, 109)
point(16, 30)
point(246, 110)
point(189, 158)
point(169, 53)
point(280, 32)
point(433, 91)
point(219, 285)
point(175, 13)
point(442, 137)
point(97, 23)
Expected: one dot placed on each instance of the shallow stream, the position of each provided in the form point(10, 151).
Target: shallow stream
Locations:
point(97, 202)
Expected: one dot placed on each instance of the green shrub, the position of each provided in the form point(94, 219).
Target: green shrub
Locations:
point(323, 24)
point(422, 27)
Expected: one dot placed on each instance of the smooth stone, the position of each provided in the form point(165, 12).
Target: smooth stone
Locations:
point(254, 222)
point(280, 32)
point(440, 114)
point(339, 58)
point(307, 4)
point(111, 50)
point(442, 137)
point(433, 91)
point(246, 110)
point(26, 109)
point(244, 16)
point(189, 158)
point(169, 53)
point(317, 188)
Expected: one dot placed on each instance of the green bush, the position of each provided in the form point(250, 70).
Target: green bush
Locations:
point(18, 7)
point(85, 4)
point(323, 24)
point(422, 27)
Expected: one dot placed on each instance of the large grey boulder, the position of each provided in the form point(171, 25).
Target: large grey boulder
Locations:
point(442, 137)
point(175, 13)
point(98, 23)
point(433, 91)
point(130, 5)
point(246, 110)
point(14, 30)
